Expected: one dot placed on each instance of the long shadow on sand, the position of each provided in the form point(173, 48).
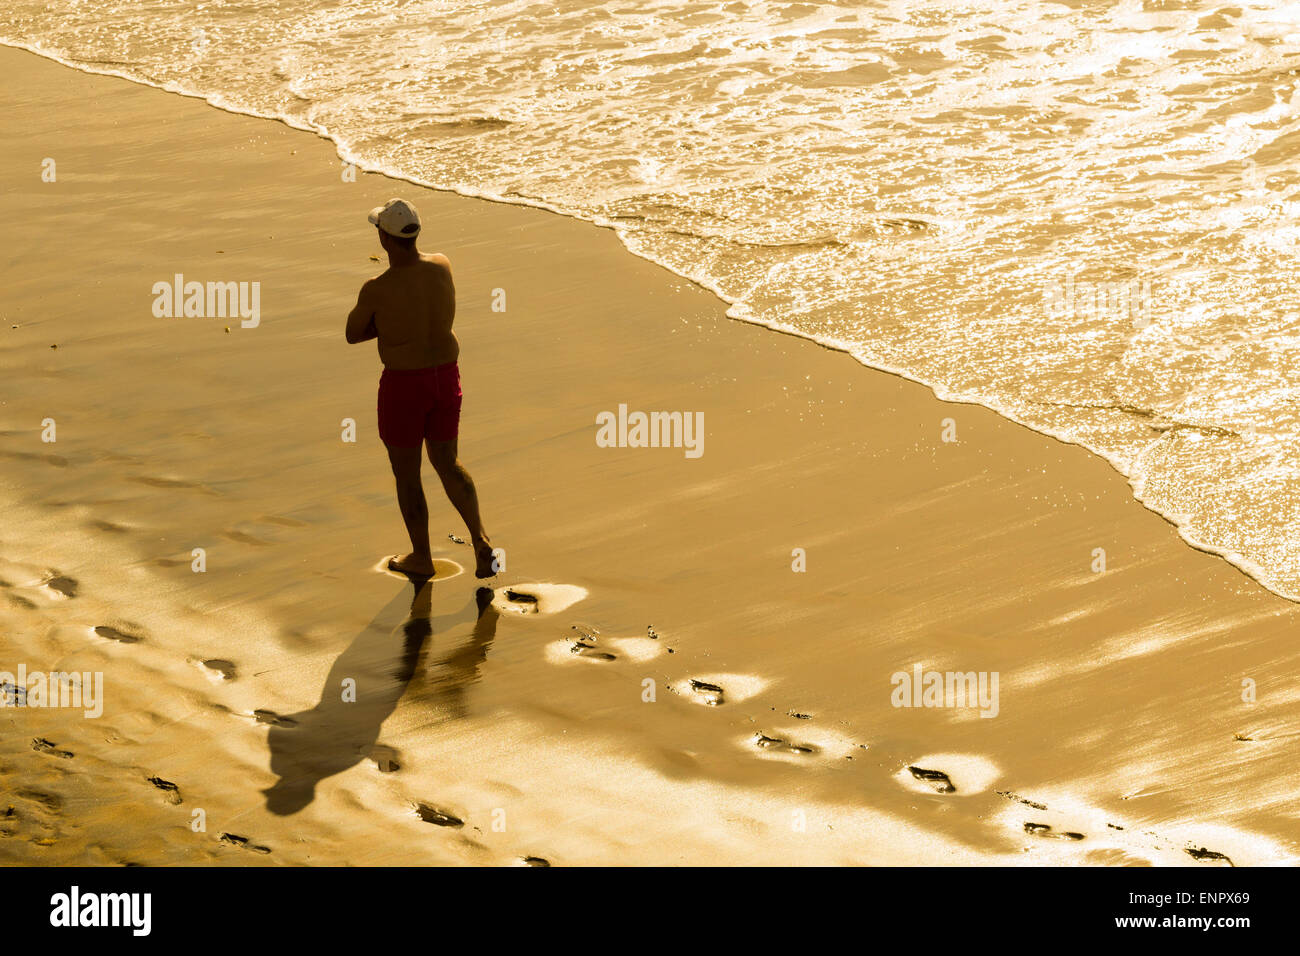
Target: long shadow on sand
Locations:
point(309, 746)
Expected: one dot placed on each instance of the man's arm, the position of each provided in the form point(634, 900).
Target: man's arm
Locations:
point(361, 320)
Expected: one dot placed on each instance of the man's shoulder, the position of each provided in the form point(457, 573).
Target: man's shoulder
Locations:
point(437, 259)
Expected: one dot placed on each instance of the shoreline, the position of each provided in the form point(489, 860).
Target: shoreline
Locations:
point(973, 555)
point(733, 309)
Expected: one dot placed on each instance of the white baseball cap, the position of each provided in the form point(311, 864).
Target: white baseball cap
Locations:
point(397, 217)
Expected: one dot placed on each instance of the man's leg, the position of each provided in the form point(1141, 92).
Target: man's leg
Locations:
point(415, 510)
point(459, 487)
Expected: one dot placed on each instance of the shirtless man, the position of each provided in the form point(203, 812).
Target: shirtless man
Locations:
point(410, 309)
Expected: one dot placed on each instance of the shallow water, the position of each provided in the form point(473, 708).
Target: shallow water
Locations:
point(1079, 214)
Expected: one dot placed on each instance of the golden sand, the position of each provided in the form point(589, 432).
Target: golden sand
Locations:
point(677, 693)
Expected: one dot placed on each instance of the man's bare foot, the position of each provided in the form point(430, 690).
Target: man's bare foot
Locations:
point(417, 564)
point(484, 560)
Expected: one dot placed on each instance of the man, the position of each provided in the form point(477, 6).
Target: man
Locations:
point(410, 309)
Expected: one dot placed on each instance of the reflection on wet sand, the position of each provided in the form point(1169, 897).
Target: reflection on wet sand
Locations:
point(363, 688)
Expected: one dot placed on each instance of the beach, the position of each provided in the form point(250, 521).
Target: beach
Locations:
point(839, 526)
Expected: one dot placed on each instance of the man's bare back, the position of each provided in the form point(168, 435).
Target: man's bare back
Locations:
point(410, 308)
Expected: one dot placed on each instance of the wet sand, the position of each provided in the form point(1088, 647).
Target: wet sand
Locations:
point(565, 729)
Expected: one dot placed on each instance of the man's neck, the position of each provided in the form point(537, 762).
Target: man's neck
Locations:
point(403, 258)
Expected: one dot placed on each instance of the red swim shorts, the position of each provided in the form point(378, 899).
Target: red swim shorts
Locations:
point(418, 404)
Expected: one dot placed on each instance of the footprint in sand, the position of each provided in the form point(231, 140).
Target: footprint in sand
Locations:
point(1231, 846)
point(443, 569)
point(43, 746)
point(707, 692)
point(1110, 843)
point(962, 774)
point(243, 843)
point(61, 584)
point(588, 649)
point(780, 745)
point(587, 646)
point(713, 690)
point(939, 781)
point(1063, 820)
point(1045, 831)
point(116, 634)
point(534, 861)
point(580, 649)
point(274, 719)
point(801, 744)
point(171, 792)
point(535, 598)
point(218, 669)
point(439, 818)
point(1201, 854)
